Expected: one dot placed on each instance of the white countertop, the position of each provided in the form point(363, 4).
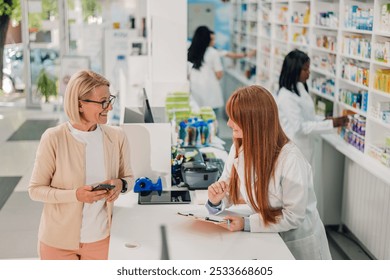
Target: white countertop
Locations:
point(135, 234)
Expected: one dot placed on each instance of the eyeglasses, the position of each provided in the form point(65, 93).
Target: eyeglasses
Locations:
point(104, 104)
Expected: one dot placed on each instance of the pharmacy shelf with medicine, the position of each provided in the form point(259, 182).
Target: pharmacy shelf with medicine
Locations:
point(244, 38)
point(348, 43)
point(349, 46)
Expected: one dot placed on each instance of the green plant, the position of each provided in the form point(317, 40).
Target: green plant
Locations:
point(46, 85)
point(90, 8)
point(8, 9)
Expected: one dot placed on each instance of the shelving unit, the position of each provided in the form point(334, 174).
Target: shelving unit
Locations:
point(245, 32)
point(342, 43)
point(346, 41)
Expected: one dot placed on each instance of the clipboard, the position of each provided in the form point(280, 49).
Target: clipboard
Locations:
point(205, 218)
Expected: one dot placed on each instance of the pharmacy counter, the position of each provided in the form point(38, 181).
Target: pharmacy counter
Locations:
point(135, 234)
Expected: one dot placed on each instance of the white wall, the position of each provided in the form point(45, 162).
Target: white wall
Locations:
point(167, 33)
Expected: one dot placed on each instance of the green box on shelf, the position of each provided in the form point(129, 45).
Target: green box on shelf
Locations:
point(324, 107)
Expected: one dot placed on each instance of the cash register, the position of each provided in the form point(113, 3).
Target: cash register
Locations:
point(196, 172)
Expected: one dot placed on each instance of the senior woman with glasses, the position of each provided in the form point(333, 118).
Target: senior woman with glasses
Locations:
point(71, 159)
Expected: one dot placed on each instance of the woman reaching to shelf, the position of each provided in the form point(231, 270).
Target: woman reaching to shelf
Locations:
point(296, 107)
point(267, 171)
point(206, 68)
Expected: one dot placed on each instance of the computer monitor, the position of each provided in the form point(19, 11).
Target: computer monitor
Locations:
point(134, 115)
point(148, 115)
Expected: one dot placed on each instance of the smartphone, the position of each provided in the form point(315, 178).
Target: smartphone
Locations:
point(106, 187)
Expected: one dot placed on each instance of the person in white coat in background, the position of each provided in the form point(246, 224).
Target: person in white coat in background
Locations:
point(206, 69)
point(268, 172)
point(296, 107)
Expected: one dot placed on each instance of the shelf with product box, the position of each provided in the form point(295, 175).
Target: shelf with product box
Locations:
point(355, 81)
point(348, 42)
point(192, 125)
point(323, 55)
point(244, 40)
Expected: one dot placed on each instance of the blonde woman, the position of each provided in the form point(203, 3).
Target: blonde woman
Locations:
point(73, 157)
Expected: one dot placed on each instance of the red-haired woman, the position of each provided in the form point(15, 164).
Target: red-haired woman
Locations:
point(269, 173)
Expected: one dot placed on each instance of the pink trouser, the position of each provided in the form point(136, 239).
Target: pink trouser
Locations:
point(87, 251)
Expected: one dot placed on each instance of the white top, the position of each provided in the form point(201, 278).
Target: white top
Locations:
point(204, 85)
point(94, 225)
point(298, 119)
point(291, 190)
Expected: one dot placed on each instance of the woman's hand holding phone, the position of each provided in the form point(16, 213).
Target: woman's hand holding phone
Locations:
point(86, 194)
point(109, 189)
point(113, 193)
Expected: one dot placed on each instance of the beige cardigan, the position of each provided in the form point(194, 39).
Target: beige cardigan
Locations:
point(59, 170)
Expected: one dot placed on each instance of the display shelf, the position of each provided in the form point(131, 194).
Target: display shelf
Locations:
point(323, 72)
point(373, 166)
point(323, 95)
point(362, 59)
point(381, 93)
point(357, 31)
point(323, 50)
point(379, 121)
point(325, 28)
point(382, 33)
point(350, 108)
point(382, 64)
point(352, 83)
point(300, 25)
point(237, 75)
point(346, 41)
point(245, 39)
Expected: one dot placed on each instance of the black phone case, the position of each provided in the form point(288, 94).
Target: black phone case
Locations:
point(103, 187)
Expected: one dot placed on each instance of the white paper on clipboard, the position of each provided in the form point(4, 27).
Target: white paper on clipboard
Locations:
point(204, 218)
point(241, 210)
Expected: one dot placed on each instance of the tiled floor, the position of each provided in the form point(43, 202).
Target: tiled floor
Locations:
point(19, 217)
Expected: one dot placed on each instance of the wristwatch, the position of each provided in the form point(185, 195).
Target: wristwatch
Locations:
point(124, 186)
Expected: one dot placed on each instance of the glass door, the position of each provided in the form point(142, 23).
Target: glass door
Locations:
point(41, 48)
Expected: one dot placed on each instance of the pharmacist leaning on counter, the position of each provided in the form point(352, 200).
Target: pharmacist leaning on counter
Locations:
point(71, 159)
point(268, 172)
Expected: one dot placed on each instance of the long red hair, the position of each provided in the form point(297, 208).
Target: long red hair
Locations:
point(254, 110)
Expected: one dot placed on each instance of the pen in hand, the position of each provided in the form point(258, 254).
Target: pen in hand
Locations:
point(234, 223)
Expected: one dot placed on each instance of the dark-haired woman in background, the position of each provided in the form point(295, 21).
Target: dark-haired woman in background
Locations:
point(206, 68)
point(296, 107)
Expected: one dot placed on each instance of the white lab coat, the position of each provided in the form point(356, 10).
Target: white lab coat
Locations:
point(291, 190)
point(205, 88)
point(298, 119)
